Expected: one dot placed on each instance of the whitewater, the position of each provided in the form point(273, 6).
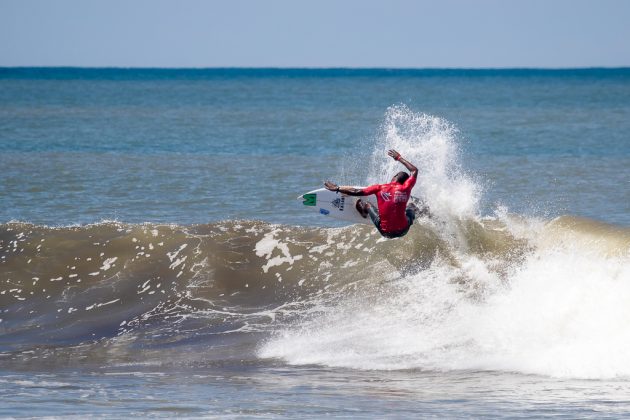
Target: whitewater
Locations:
point(498, 293)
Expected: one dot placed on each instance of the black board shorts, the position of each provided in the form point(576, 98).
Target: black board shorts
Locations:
point(376, 219)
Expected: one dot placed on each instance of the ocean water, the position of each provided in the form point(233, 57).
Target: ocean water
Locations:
point(154, 260)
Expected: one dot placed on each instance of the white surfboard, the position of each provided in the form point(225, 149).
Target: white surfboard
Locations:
point(335, 204)
point(343, 207)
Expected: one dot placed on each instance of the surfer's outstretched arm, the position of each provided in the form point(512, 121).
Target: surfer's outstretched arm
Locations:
point(344, 190)
point(396, 156)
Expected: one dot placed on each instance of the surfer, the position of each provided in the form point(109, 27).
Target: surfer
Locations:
point(393, 217)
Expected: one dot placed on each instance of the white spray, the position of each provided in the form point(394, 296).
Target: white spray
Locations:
point(431, 144)
point(563, 310)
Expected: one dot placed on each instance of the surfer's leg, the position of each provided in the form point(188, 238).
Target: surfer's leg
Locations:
point(410, 212)
point(373, 212)
point(374, 216)
point(361, 208)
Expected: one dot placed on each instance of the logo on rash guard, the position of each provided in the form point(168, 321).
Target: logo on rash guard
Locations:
point(386, 196)
point(400, 197)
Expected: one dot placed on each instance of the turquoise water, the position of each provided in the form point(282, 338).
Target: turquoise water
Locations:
point(154, 259)
point(82, 145)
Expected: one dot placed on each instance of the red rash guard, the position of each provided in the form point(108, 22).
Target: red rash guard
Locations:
point(392, 201)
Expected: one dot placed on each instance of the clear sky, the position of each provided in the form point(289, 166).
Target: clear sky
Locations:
point(318, 33)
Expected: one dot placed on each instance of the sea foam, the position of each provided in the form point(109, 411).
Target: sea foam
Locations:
point(553, 302)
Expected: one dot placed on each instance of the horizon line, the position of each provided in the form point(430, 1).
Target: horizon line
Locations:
point(313, 68)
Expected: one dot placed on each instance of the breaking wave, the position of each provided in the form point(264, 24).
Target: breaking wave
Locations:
point(460, 291)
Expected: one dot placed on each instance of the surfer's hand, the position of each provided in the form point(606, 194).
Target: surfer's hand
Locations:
point(394, 154)
point(331, 186)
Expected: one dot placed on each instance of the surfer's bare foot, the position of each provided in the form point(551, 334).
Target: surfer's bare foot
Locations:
point(362, 208)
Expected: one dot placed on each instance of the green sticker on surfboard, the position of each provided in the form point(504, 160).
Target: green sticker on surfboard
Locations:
point(309, 199)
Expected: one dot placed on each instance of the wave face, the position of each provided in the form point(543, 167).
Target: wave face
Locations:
point(460, 291)
point(548, 299)
point(65, 286)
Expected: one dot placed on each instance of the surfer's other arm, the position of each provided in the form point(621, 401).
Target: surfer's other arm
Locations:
point(410, 167)
point(331, 186)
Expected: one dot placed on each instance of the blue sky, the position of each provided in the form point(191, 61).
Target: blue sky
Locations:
point(322, 33)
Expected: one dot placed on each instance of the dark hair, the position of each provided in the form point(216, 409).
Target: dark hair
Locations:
point(401, 177)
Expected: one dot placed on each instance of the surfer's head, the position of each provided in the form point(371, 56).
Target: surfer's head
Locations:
point(400, 177)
